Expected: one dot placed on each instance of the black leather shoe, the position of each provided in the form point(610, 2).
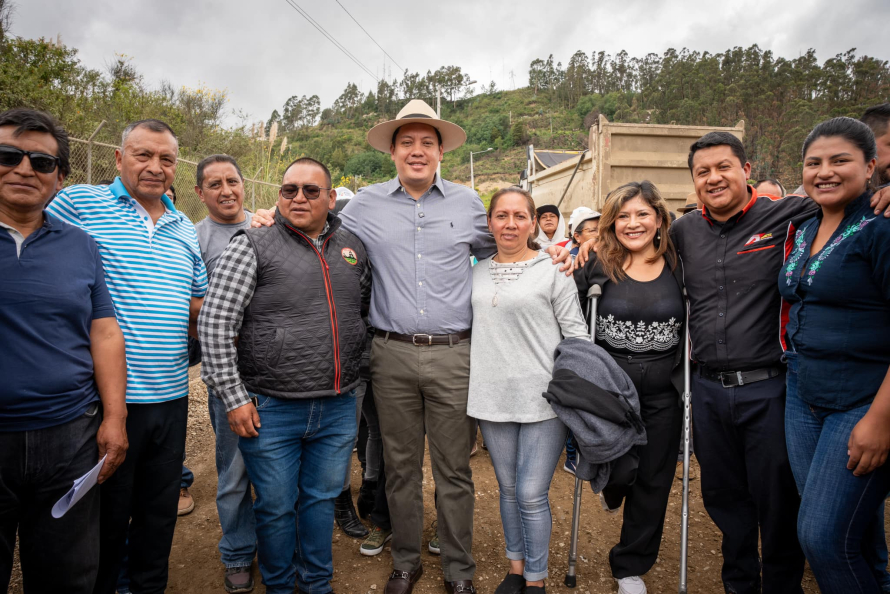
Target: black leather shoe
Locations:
point(402, 582)
point(347, 520)
point(366, 497)
point(512, 584)
point(460, 587)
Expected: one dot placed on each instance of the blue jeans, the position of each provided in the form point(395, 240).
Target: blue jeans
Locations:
point(234, 504)
point(188, 477)
point(297, 465)
point(524, 456)
point(841, 519)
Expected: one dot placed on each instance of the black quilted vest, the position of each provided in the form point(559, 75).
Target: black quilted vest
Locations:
point(303, 334)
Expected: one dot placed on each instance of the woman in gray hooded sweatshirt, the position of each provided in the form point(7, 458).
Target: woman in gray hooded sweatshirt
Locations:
point(523, 307)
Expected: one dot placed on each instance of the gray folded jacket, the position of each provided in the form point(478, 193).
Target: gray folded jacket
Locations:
point(593, 396)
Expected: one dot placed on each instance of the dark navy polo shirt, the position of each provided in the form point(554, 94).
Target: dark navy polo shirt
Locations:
point(49, 296)
point(839, 323)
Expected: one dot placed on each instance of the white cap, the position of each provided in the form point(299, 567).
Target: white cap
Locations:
point(581, 214)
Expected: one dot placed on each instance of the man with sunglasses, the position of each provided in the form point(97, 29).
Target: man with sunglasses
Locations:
point(63, 357)
point(156, 277)
point(282, 338)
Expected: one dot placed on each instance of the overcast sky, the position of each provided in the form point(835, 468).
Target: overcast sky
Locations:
point(263, 51)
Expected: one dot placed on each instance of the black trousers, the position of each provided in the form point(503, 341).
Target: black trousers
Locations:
point(747, 485)
point(380, 512)
point(145, 489)
point(36, 469)
point(645, 502)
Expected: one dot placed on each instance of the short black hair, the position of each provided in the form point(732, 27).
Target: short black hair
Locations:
point(877, 118)
point(854, 131)
point(310, 161)
point(172, 191)
point(718, 139)
point(215, 159)
point(31, 120)
point(396, 133)
point(152, 124)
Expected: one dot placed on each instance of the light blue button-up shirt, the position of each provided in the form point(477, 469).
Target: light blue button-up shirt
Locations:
point(420, 254)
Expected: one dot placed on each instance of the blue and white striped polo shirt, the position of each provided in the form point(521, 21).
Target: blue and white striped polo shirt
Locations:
point(151, 278)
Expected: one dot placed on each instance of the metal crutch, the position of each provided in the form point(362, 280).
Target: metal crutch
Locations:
point(593, 293)
point(687, 397)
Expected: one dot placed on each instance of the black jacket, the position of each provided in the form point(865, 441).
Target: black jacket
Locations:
point(303, 334)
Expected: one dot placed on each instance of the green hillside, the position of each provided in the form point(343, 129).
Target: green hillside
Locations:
point(780, 100)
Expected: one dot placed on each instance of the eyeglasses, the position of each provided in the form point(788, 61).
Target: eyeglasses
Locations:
point(310, 191)
point(40, 162)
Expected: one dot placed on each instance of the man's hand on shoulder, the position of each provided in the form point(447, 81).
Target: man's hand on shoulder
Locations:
point(584, 253)
point(881, 201)
point(561, 255)
point(244, 420)
point(263, 217)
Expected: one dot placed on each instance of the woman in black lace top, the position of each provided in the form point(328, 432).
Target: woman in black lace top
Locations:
point(639, 321)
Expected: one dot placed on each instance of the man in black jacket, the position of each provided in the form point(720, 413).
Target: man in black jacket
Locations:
point(291, 296)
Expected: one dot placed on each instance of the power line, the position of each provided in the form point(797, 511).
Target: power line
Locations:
point(330, 38)
point(369, 35)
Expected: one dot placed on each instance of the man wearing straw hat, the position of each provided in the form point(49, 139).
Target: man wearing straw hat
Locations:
point(420, 232)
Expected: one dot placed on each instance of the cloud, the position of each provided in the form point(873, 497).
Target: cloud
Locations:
point(263, 52)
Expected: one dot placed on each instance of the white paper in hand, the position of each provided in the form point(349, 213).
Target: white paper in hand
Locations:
point(78, 490)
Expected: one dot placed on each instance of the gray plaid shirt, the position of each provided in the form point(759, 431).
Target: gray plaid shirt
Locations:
point(231, 290)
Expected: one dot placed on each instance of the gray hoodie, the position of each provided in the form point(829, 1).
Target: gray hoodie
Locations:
point(593, 396)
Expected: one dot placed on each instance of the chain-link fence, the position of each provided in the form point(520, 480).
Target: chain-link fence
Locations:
point(94, 163)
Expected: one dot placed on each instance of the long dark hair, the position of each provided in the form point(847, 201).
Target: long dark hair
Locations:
point(611, 253)
point(529, 202)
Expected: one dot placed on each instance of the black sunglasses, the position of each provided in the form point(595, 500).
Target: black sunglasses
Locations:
point(40, 162)
point(310, 191)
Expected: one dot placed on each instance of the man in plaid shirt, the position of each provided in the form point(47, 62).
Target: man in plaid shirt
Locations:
point(282, 338)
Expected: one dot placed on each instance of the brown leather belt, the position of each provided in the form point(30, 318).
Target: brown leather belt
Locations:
point(427, 339)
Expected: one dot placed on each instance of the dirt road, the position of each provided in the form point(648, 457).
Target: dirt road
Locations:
point(195, 566)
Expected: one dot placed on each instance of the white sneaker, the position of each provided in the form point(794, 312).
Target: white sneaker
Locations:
point(612, 511)
point(631, 585)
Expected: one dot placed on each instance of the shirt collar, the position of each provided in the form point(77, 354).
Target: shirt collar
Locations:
point(859, 203)
point(119, 190)
point(394, 185)
point(752, 192)
point(50, 223)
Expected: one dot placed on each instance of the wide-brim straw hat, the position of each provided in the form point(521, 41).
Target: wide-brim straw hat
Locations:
point(416, 112)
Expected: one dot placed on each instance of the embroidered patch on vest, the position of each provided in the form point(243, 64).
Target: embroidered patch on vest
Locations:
point(349, 255)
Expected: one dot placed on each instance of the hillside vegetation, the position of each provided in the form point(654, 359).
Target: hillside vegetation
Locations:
point(780, 100)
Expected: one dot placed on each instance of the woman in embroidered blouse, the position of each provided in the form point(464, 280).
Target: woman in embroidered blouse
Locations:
point(639, 321)
point(523, 307)
point(837, 415)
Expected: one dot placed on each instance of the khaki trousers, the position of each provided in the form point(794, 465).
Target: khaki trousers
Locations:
point(423, 390)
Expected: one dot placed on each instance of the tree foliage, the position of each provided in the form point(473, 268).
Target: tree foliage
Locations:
point(780, 99)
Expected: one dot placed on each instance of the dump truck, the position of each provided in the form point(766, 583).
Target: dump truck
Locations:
point(617, 154)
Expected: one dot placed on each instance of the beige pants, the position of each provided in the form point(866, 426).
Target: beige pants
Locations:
point(423, 390)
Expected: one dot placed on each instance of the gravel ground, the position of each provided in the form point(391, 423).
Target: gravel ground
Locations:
point(195, 566)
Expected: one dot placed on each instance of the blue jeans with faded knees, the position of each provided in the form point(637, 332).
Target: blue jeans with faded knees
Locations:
point(841, 519)
point(297, 465)
point(524, 456)
point(234, 504)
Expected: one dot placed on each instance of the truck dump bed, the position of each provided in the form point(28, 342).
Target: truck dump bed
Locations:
point(621, 153)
